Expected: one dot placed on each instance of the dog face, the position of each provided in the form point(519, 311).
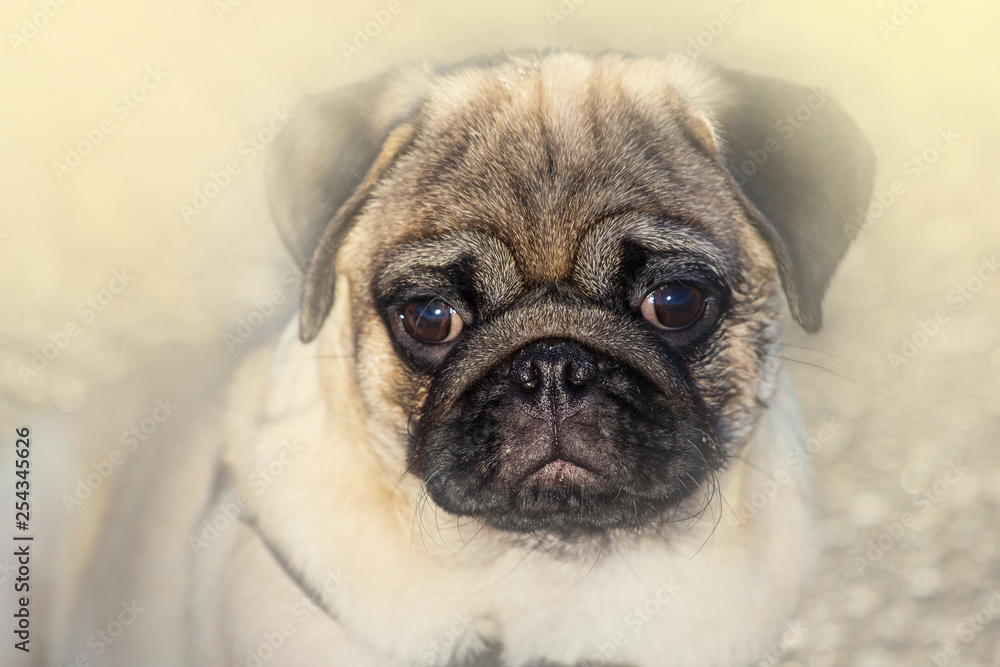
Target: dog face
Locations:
point(563, 272)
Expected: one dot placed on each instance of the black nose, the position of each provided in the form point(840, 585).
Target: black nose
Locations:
point(553, 374)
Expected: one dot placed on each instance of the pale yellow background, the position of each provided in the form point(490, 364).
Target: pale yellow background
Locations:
point(60, 242)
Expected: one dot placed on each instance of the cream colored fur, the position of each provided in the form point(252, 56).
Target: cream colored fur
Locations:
point(407, 576)
point(409, 585)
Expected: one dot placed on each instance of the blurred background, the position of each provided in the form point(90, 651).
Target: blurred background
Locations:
point(133, 223)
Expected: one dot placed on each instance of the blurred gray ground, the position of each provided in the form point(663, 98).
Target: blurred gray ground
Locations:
point(906, 448)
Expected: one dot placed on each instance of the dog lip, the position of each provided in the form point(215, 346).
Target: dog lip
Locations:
point(559, 472)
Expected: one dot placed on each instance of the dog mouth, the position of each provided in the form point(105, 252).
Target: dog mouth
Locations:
point(558, 485)
point(540, 452)
point(560, 473)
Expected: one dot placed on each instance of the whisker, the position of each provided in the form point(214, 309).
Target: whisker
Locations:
point(816, 349)
point(846, 378)
point(313, 358)
point(798, 493)
point(600, 551)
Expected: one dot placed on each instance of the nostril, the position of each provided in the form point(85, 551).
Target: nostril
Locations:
point(527, 375)
point(553, 369)
point(575, 380)
point(580, 373)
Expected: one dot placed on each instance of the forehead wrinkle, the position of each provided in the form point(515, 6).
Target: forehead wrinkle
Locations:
point(559, 110)
point(607, 150)
point(473, 172)
point(600, 253)
point(515, 163)
point(495, 273)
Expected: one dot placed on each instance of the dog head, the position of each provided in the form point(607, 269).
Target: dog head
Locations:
point(564, 269)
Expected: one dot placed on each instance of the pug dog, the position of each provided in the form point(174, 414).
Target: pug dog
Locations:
point(534, 375)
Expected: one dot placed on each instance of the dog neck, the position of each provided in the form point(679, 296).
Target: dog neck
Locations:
point(339, 505)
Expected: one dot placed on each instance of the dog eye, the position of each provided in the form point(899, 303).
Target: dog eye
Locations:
point(673, 307)
point(431, 321)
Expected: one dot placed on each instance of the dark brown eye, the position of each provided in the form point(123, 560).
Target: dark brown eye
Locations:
point(431, 321)
point(673, 307)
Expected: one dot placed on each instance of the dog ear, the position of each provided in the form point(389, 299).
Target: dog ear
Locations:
point(321, 170)
point(805, 173)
